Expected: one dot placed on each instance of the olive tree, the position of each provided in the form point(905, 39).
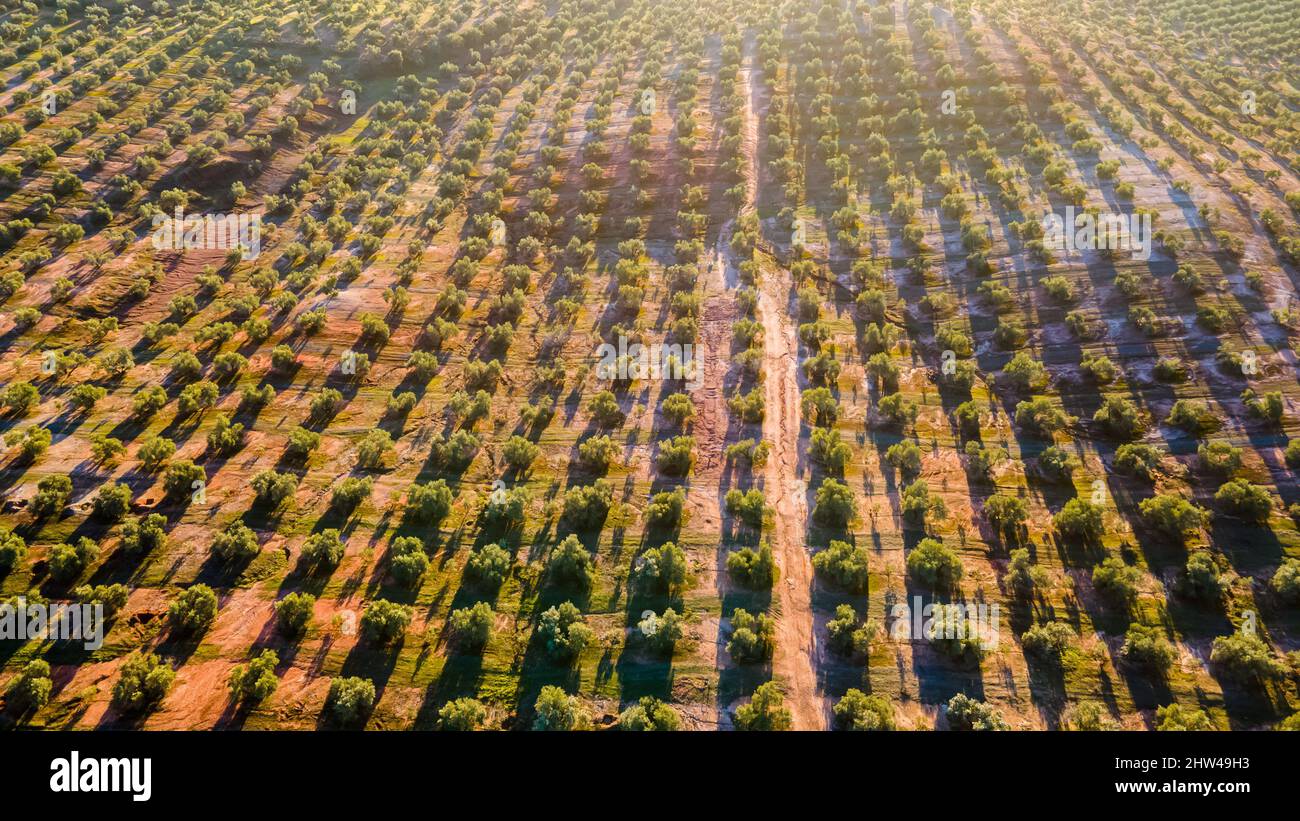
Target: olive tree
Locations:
point(858, 711)
point(649, 714)
point(143, 683)
point(254, 682)
point(766, 710)
point(194, 610)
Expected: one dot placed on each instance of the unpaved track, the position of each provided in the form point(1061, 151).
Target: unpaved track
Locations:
point(717, 316)
point(786, 492)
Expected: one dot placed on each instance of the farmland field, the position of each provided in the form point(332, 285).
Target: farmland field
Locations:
point(650, 364)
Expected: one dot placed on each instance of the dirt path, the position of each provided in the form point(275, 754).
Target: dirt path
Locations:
point(717, 316)
point(786, 491)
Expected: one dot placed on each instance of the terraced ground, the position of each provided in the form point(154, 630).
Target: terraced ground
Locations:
point(393, 416)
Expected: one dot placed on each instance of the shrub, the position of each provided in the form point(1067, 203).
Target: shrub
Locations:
point(1172, 515)
point(766, 710)
point(1168, 369)
point(1006, 513)
point(1054, 464)
point(1099, 367)
point(31, 442)
point(755, 569)
point(1147, 647)
point(570, 563)
point(350, 699)
point(557, 710)
point(843, 564)
point(1023, 372)
point(84, 397)
point(605, 410)
point(428, 502)
point(384, 621)
point(966, 713)
point(1176, 717)
point(662, 569)
point(196, 398)
point(834, 504)
point(1292, 453)
point(255, 681)
point(563, 632)
point(1240, 498)
point(753, 637)
point(488, 565)
point(182, 478)
point(597, 452)
point(1041, 415)
point(897, 410)
point(143, 683)
point(283, 358)
point(1119, 418)
point(470, 627)
point(1023, 577)
point(1193, 417)
point(323, 549)
point(1267, 408)
point(1049, 641)
point(818, 406)
point(30, 689)
point(518, 452)
point(1201, 578)
point(272, 488)
point(951, 633)
point(294, 612)
point(649, 714)
point(586, 506)
point(154, 451)
point(324, 405)
point(66, 562)
point(905, 456)
point(112, 597)
point(1116, 581)
point(1138, 460)
point(505, 510)
point(665, 508)
point(847, 634)
point(350, 492)
point(302, 442)
point(407, 561)
point(1285, 581)
point(676, 455)
point(934, 564)
point(226, 365)
point(148, 401)
point(462, 715)
point(20, 397)
point(194, 610)
point(143, 535)
point(662, 632)
point(1245, 657)
point(678, 409)
point(52, 493)
point(106, 450)
point(916, 502)
point(236, 543)
point(861, 712)
point(372, 447)
point(1079, 519)
point(749, 506)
